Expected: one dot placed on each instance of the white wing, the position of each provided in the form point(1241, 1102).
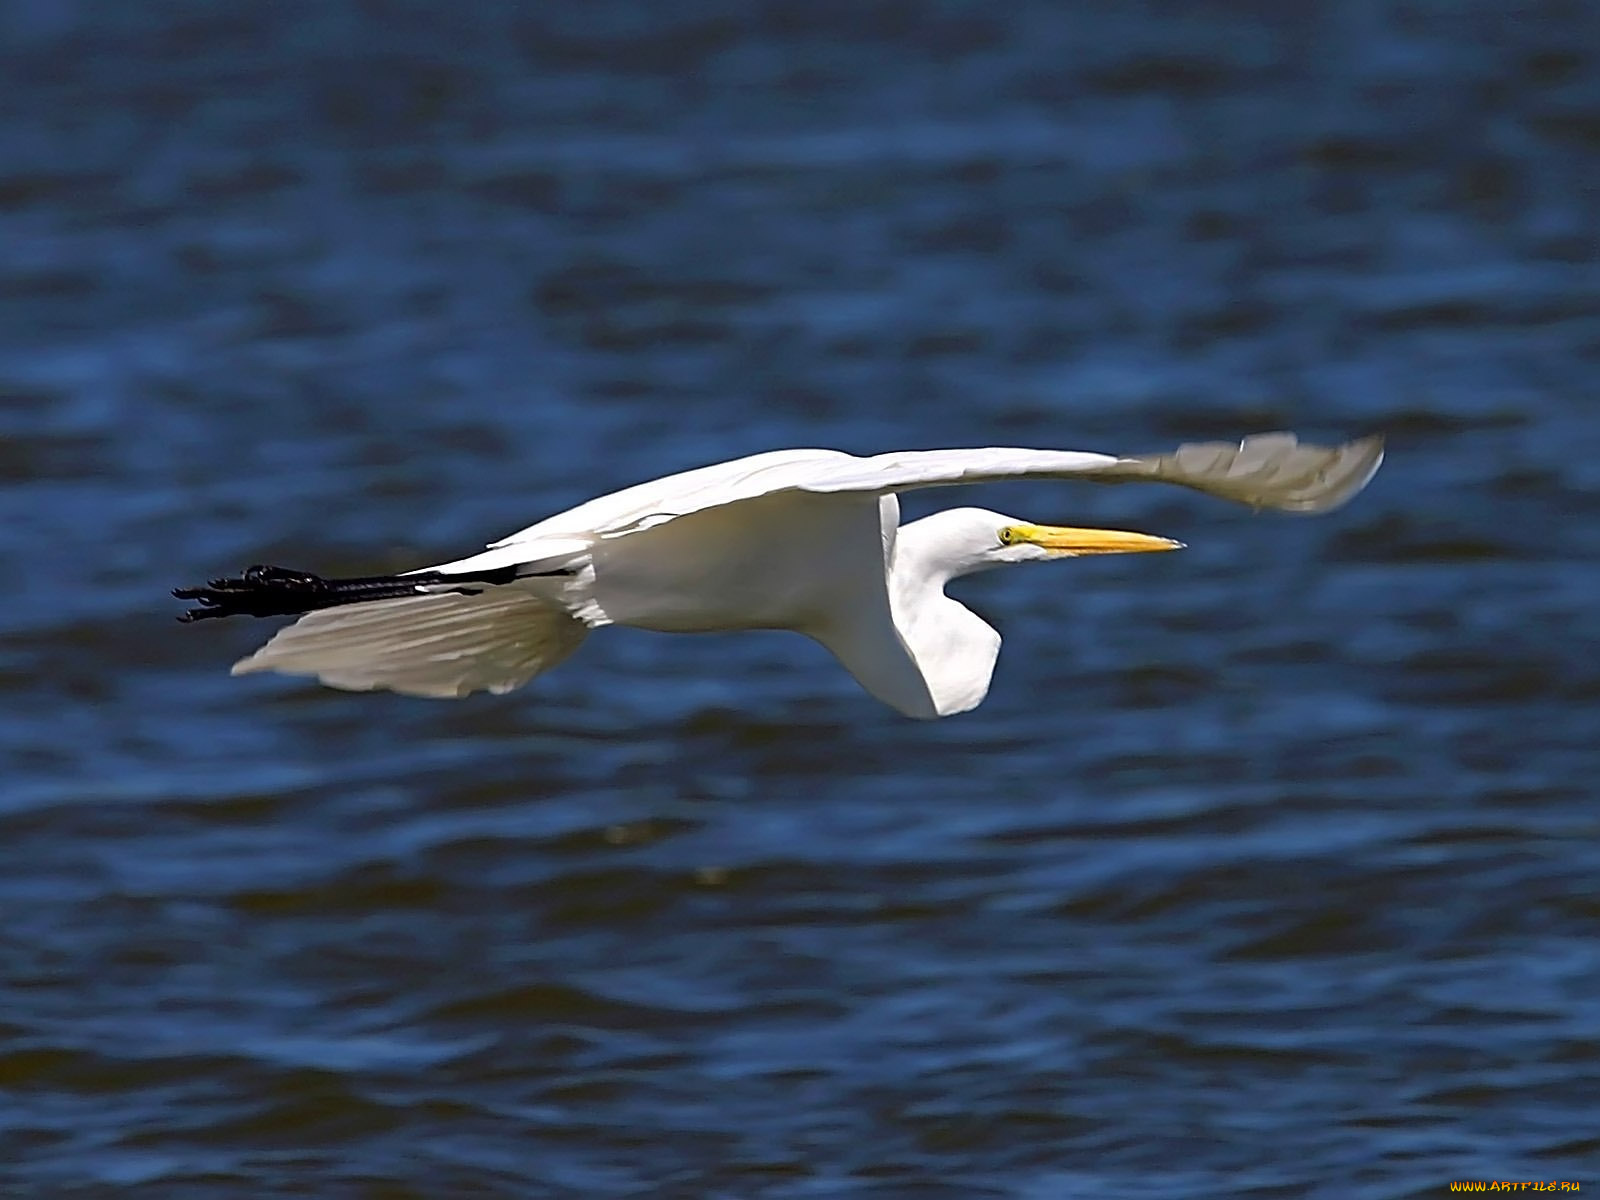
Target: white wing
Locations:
point(1270, 470)
point(442, 646)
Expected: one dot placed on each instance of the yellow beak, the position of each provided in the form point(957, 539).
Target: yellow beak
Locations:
point(1069, 542)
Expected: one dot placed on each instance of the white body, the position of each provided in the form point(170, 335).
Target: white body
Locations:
point(804, 540)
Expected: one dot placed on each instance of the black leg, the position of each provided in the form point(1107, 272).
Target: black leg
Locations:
point(265, 591)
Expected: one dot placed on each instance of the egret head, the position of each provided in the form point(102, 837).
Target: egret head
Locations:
point(965, 540)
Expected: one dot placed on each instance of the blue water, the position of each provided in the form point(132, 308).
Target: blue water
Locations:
point(1267, 869)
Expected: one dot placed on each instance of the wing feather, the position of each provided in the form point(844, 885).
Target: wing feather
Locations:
point(1270, 470)
point(441, 646)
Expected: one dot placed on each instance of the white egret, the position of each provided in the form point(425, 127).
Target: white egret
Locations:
point(805, 540)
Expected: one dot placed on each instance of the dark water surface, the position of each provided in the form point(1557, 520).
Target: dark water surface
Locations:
point(1268, 869)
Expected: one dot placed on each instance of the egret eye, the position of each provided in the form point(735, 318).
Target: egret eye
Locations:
point(1007, 536)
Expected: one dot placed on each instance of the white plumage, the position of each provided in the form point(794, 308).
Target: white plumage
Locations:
point(441, 646)
point(806, 540)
